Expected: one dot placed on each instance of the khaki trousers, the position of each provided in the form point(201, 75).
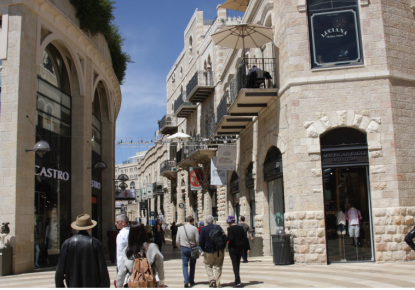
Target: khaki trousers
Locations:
point(213, 264)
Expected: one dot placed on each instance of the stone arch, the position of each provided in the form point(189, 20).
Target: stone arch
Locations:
point(270, 147)
point(359, 120)
point(65, 49)
point(266, 12)
point(108, 97)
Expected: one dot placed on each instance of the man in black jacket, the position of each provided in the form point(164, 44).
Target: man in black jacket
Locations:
point(236, 236)
point(82, 261)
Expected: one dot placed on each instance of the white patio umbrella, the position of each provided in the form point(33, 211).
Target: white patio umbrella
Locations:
point(238, 5)
point(243, 36)
point(179, 137)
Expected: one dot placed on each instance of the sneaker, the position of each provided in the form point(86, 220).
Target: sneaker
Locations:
point(186, 285)
point(238, 285)
point(202, 254)
point(245, 261)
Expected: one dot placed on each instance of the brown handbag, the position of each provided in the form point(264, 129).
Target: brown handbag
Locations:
point(142, 275)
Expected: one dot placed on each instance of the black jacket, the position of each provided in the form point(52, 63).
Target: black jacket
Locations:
point(204, 240)
point(82, 263)
point(236, 235)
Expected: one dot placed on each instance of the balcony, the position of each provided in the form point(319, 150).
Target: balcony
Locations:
point(227, 124)
point(158, 188)
point(168, 169)
point(199, 151)
point(200, 86)
point(183, 159)
point(249, 180)
point(168, 124)
point(183, 109)
point(252, 89)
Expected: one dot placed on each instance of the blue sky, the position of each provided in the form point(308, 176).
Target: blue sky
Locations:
point(153, 32)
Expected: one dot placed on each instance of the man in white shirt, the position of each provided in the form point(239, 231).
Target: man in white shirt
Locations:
point(122, 223)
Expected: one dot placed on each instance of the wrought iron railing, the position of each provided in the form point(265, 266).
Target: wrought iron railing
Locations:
point(168, 120)
point(194, 146)
point(181, 102)
point(180, 155)
point(235, 187)
point(259, 73)
point(158, 188)
point(200, 78)
point(222, 109)
point(167, 165)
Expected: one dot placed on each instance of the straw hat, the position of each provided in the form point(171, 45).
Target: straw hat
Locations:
point(83, 222)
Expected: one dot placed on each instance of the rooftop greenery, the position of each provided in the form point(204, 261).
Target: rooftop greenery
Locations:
point(96, 16)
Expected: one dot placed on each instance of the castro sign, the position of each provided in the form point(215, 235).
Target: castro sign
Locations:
point(51, 173)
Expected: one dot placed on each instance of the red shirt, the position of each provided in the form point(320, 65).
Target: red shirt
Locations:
point(200, 229)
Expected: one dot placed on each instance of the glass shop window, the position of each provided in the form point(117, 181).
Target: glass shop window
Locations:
point(334, 33)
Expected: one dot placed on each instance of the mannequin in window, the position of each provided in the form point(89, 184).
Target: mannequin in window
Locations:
point(341, 223)
point(353, 217)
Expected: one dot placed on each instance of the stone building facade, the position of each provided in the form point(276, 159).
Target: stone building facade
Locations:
point(329, 132)
point(57, 85)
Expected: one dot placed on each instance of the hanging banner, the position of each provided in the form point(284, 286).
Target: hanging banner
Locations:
point(196, 178)
point(128, 194)
point(217, 177)
point(149, 190)
point(226, 157)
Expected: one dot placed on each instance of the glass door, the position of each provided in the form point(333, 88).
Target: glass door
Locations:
point(348, 214)
point(276, 206)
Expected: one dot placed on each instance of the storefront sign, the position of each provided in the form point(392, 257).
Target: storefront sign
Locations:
point(196, 178)
point(95, 184)
point(128, 194)
point(51, 173)
point(335, 38)
point(152, 213)
point(143, 205)
point(217, 177)
point(351, 156)
point(149, 190)
point(226, 157)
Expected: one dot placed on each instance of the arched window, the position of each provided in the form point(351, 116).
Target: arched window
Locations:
point(190, 45)
point(132, 184)
point(234, 183)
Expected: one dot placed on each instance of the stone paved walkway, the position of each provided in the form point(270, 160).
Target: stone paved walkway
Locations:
point(260, 273)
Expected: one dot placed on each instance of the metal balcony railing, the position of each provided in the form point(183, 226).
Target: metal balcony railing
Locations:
point(222, 109)
point(194, 146)
point(180, 155)
point(200, 78)
point(254, 73)
point(181, 102)
point(158, 188)
point(167, 120)
point(249, 180)
point(167, 165)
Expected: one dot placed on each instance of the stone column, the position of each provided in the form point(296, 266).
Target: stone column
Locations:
point(17, 135)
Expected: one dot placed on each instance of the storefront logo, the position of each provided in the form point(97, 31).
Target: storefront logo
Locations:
point(51, 173)
point(95, 184)
point(334, 32)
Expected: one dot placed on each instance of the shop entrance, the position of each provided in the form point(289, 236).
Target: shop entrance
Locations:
point(347, 196)
point(273, 174)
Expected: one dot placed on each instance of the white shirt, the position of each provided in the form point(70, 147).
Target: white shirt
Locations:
point(341, 218)
point(122, 242)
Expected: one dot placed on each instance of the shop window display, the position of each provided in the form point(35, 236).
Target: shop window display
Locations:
point(347, 196)
point(53, 170)
point(335, 38)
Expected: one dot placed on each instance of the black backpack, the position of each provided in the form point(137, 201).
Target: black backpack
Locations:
point(218, 239)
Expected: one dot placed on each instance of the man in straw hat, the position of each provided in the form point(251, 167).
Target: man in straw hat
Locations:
point(82, 261)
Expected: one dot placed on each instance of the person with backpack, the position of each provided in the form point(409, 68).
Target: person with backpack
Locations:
point(188, 238)
point(199, 229)
point(141, 265)
point(236, 236)
point(212, 240)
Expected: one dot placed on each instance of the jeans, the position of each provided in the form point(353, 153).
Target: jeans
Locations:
point(245, 255)
point(200, 249)
point(236, 254)
point(188, 277)
point(409, 239)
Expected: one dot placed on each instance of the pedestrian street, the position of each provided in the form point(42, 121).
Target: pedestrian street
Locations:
point(258, 273)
